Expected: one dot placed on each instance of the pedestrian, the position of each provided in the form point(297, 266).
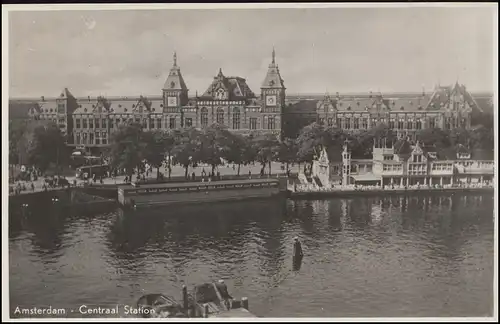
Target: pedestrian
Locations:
point(218, 175)
point(101, 180)
point(249, 174)
point(32, 187)
point(193, 176)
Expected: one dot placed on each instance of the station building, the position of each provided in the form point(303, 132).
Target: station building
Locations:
point(228, 100)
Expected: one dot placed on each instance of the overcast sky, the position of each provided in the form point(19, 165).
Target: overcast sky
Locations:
point(337, 49)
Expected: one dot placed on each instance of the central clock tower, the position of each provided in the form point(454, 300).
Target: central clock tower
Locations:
point(175, 92)
point(273, 96)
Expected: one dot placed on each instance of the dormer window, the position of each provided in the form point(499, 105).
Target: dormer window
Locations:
point(161, 105)
point(133, 106)
point(85, 109)
point(432, 155)
point(340, 104)
point(172, 84)
point(349, 108)
point(419, 107)
point(271, 83)
point(125, 109)
point(153, 109)
point(402, 108)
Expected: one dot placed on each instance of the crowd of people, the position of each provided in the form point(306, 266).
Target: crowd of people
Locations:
point(312, 187)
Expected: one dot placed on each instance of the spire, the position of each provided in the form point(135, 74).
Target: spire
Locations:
point(175, 81)
point(273, 78)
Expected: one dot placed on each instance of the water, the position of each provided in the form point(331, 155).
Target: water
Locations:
point(364, 257)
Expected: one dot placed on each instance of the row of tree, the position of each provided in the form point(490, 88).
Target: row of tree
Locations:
point(130, 145)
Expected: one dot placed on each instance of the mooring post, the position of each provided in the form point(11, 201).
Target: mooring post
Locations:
point(184, 297)
point(244, 302)
point(297, 249)
point(205, 313)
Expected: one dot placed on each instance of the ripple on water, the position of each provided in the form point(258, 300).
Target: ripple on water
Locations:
point(363, 256)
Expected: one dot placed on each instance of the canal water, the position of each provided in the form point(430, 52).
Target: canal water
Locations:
point(387, 256)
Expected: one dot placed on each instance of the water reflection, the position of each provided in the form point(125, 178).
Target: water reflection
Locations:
point(365, 256)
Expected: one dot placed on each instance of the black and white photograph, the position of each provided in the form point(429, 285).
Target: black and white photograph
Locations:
point(247, 161)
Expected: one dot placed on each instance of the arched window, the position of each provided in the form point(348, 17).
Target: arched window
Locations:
point(204, 117)
point(418, 124)
point(220, 116)
point(236, 118)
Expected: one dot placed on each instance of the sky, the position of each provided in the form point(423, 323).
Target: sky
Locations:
point(126, 53)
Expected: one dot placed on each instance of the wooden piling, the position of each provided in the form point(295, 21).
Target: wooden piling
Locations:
point(205, 312)
point(244, 302)
point(184, 298)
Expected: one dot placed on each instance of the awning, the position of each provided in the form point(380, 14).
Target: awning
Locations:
point(77, 153)
point(365, 177)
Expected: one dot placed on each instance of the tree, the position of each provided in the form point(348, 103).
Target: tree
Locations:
point(155, 153)
point(17, 129)
point(266, 148)
point(240, 151)
point(46, 145)
point(215, 145)
point(434, 137)
point(128, 148)
point(482, 137)
point(288, 152)
point(187, 150)
point(362, 140)
point(170, 139)
point(314, 137)
point(459, 136)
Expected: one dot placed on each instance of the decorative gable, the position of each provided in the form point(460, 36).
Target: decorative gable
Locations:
point(323, 158)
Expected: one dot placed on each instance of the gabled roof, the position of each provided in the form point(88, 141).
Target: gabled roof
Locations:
point(440, 99)
point(175, 81)
point(326, 104)
point(236, 87)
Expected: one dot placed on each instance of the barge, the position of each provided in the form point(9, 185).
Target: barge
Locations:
point(198, 192)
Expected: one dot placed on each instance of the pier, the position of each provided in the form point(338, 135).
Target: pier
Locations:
point(199, 192)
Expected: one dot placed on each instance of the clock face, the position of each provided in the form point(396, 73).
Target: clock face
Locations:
point(271, 100)
point(172, 101)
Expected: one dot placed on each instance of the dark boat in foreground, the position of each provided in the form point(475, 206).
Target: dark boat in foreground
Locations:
point(205, 300)
point(159, 305)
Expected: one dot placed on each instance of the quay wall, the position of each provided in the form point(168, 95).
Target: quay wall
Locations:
point(202, 197)
point(72, 197)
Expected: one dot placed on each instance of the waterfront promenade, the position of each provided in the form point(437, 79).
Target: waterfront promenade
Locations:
point(306, 190)
point(177, 173)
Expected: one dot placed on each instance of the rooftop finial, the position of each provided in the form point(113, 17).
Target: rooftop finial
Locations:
point(274, 56)
point(175, 58)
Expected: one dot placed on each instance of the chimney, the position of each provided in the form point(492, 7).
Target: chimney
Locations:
point(370, 94)
point(88, 97)
point(43, 98)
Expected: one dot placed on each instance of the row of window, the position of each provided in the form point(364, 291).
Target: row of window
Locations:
point(417, 158)
point(91, 138)
point(157, 123)
point(393, 167)
point(354, 123)
point(442, 167)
